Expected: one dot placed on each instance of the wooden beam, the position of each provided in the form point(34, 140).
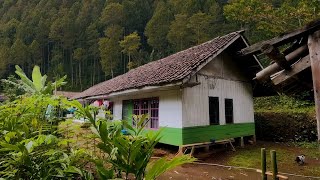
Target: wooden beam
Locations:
point(314, 49)
point(283, 39)
point(265, 74)
point(274, 54)
point(296, 68)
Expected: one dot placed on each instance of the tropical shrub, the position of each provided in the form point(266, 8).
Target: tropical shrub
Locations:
point(128, 154)
point(37, 85)
point(30, 145)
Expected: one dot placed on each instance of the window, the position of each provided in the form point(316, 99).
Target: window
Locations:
point(148, 106)
point(229, 110)
point(214, 110)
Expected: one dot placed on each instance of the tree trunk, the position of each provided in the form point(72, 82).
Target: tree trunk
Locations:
point(71, 64)
point(80, 82)
point(93, 71)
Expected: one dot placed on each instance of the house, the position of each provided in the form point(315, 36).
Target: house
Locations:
point(200, 94)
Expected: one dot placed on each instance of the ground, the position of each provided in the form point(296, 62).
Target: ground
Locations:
point(249, 156)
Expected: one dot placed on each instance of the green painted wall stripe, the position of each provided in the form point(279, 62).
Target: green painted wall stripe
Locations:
point(172, 136)
point(217, 132)
point(189, 135)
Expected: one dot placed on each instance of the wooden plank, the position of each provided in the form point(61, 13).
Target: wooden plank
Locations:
point(265, 74)
point(314, 49)
point(270, 174)
point(283, 39)
point(296, 68)
point(274, 54)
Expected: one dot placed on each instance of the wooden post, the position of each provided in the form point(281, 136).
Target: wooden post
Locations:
point(207, 148)
point(242, 142)
point(263, 164)
point(254, 138)
point(274, 165)
point(314, 50)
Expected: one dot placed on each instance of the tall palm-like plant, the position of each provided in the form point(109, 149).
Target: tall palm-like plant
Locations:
point(37, 84)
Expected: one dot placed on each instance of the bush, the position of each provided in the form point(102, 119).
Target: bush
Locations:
point(286, 126)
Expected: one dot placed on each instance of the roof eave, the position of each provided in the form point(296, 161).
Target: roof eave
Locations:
point(135, 90)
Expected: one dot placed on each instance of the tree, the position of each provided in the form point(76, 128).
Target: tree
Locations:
point(79, 55)
point(158, 26)
point(112, 14)
point(92, 40)
point(19, 52)
point(130, 45)
point(179, 33)
point(266, 19)
point(35, 51)
point(110, 49)
point(4, 59)
point(199, 24)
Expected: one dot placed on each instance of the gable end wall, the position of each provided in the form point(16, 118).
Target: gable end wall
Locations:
point(219, 78)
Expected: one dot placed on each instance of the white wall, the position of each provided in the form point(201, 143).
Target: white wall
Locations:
point(220, 78)
point(170, 106)
point(117, 109)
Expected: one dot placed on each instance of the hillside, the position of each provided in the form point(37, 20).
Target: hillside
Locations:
point(95, 40)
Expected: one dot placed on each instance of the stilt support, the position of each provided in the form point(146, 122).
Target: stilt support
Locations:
point(242, 142)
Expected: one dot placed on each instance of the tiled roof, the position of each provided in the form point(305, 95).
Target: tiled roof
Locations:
point(167, 70)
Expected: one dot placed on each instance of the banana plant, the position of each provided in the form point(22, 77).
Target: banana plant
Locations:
point(37, 84)
point(128, 155)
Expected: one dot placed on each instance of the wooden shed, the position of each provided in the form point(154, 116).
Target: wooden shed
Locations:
point(201, 94)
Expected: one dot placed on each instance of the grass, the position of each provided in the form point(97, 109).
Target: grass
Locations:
point(286, 153)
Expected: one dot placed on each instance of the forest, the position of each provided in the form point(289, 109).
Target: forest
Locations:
point(94, 40)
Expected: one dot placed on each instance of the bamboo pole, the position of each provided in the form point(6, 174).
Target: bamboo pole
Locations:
point(274, 165)
point(263, 164)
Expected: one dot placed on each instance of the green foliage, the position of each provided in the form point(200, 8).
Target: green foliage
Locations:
point(179, 33)
point(267, 19)
point(30, 146)
point(199, 24)
point(110, 49)
point(55, 34)
point(128, 154)
point(286, 126)
point(130, 45)
point(158, 27)
point(36, 85)
point(283, 118)
point(11, 90)
point(283, 103)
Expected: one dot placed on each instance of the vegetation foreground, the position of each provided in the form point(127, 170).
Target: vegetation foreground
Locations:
point(33, 147)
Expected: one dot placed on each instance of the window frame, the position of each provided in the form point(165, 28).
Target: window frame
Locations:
point(138, 109)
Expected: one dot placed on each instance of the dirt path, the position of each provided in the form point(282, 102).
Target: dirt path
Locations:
point(246, 157)
point(190, 172)
point(204, 172)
